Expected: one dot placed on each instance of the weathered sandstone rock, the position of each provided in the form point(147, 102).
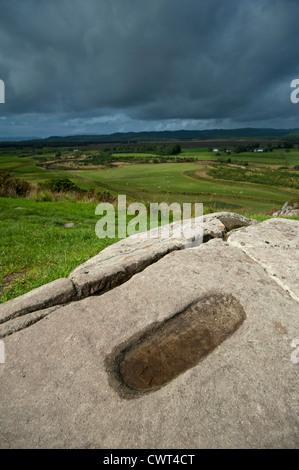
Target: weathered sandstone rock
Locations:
point(289, 209)
point(117, 263)
point(274, 244)
point(65, 379)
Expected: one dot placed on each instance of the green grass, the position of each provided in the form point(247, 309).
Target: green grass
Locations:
point(171, 182)
point(280, 178)
point(277, 157)
point(35, 247)
point(177, 182)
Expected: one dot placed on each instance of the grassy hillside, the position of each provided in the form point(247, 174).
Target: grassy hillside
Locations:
point(37, 248)
point(219, 180)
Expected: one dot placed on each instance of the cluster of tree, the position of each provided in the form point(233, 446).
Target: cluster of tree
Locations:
point(176, 159)
point(229, 160)
point(285, 145)
point(104, 158)
point(107, 157)
point(267, 148)
point(269, 177)
point(13, 187)
point(173, 149)
point(58, 185)
point(65, 185)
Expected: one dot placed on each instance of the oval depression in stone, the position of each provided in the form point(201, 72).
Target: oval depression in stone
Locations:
point(167, 349)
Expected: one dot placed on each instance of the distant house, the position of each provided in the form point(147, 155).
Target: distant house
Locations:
point(258, 150)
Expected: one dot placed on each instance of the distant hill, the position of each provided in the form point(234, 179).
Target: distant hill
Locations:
point(178, 135)
point(249, 133)
point(16, 139)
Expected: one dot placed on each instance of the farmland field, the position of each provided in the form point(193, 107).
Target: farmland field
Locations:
point(220, 180)
point(37, 248)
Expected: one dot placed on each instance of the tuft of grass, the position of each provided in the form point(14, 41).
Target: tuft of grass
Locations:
point(36, 247)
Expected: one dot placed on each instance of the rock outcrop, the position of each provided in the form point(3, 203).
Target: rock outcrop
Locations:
point(186, 344)
point(289, 209)
point(114, 266)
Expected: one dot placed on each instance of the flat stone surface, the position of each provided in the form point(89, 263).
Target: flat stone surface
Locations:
point(274, 244)
point(56, 392)
point(166, 349)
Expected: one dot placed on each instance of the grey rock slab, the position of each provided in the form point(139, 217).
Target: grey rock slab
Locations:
point(289, 209)
point(274, 245)
point(24, 321)
point(117, 263)
point(70, 224)
point(56, 391)
point(230, 220)
point(48, 295)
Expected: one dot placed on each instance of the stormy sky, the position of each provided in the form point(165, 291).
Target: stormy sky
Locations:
point(104, 66)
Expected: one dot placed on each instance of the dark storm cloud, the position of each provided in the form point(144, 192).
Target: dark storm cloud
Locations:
point(207, 61)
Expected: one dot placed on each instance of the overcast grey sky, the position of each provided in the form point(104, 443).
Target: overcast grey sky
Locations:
point(104, 66)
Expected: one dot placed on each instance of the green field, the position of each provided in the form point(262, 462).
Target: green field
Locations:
point(174, 182)
point(142, 177)
point(35, 246)
point(276, 158)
